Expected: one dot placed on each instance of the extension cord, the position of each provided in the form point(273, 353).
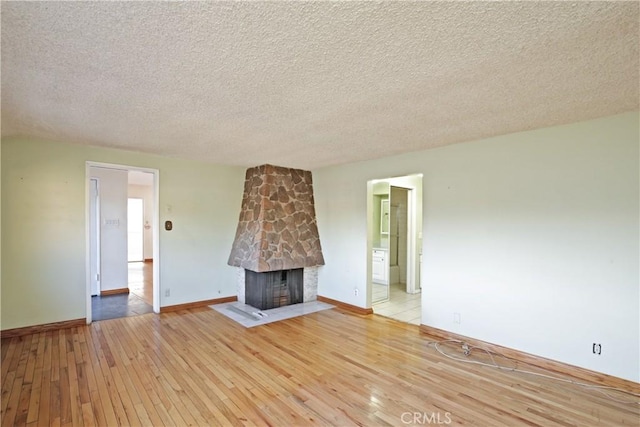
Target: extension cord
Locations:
point(467, 350)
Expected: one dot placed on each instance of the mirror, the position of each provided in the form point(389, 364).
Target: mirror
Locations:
point(384, 216)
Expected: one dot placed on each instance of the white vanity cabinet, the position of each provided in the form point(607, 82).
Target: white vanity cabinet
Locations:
point(380, 269)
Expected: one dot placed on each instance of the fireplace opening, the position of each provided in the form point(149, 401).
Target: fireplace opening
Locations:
point(273, 289)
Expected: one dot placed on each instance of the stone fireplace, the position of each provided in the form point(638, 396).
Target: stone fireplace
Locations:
point(277, 246)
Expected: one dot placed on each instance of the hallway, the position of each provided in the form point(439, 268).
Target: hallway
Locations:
point(138, 301)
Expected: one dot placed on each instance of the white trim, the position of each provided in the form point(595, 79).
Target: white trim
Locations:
point(87, 230)
point(156, 241)
point(369, 258)
point(411, 242)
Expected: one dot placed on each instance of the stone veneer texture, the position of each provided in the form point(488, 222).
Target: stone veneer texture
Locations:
point(277, 228)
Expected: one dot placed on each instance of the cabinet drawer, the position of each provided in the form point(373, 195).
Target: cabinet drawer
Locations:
point(379, 266)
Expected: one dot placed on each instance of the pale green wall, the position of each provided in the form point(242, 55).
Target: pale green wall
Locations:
point(43, 228)
point(0, 231)
point(532, 237)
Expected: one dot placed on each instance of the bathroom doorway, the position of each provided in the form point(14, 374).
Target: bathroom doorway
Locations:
point(395, 224)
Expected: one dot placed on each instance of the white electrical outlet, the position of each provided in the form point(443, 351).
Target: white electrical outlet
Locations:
point(355, 292)
point(596, 348)
point(167, 292)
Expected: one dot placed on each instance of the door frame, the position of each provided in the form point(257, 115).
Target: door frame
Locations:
point(155, 227)
point(412, 242)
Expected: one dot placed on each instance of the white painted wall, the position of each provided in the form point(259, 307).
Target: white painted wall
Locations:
point(112, 193)
point(145, 192)
point(43, 228)
point(532, 237)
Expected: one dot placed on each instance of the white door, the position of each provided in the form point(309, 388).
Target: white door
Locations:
point(94, 237)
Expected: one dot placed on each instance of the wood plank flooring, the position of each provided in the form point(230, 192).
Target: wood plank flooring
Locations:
point(141, 280)
point(196, 367)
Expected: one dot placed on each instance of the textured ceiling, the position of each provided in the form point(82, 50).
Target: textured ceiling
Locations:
point(310, 84)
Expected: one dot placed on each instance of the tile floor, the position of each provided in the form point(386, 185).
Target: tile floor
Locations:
point(249, 316)
point(137, 302)
point(400, 305)
point(115, 306)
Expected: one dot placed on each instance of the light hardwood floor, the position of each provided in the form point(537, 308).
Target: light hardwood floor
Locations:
point(196, 367)
point(141, 280)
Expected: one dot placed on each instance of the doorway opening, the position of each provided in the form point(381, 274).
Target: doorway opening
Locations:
point(122, 235)
point(395, 230)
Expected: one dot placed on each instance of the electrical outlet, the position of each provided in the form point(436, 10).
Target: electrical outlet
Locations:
point(167, 292)
point(456, 318)
point(355, 292)
point(596, 348)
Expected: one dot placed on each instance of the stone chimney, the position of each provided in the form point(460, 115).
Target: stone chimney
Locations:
point(277, 228)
